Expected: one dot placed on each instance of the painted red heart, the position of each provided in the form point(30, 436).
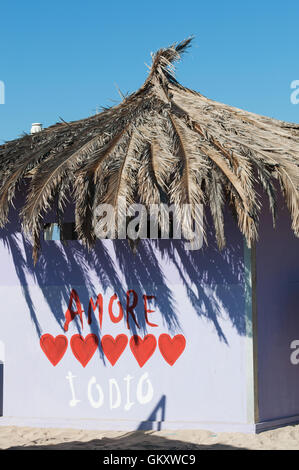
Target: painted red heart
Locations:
point(171, 348)
point(143, 349)
point(84, 349)
point(54, 348)
point(113, 348)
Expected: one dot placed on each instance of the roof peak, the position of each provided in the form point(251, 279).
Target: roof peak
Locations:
point(164, 58)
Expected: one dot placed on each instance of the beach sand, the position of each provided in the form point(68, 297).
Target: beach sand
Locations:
point(12, 437)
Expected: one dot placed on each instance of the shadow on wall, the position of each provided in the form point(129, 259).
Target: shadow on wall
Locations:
point(210, 277)
point(156, 418)
point(144, 438)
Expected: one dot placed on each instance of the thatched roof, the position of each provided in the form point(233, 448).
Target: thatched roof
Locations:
point(162, 143)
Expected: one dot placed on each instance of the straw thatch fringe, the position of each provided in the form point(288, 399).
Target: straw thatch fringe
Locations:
point(164, 143)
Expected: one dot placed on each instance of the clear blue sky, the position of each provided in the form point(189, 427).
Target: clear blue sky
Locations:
point(64, 58)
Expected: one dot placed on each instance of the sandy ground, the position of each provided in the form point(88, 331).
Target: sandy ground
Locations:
point(12, 437)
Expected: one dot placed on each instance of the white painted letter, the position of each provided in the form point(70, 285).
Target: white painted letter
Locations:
point(129, 403)
point(117, 402)
point(73, 401)
point(100, 401)
point(143, 399)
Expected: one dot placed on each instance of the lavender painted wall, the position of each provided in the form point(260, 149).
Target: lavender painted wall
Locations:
point(277, 256)
point(201, 295)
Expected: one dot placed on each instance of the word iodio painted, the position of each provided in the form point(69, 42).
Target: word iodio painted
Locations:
point(118, 393)
point(83, 349)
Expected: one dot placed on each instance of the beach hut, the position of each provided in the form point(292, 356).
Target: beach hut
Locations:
point(148, 333)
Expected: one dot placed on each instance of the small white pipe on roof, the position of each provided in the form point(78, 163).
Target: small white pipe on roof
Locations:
point(36, 127)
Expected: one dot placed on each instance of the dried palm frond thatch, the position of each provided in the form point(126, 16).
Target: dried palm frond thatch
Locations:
point(162, 143)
